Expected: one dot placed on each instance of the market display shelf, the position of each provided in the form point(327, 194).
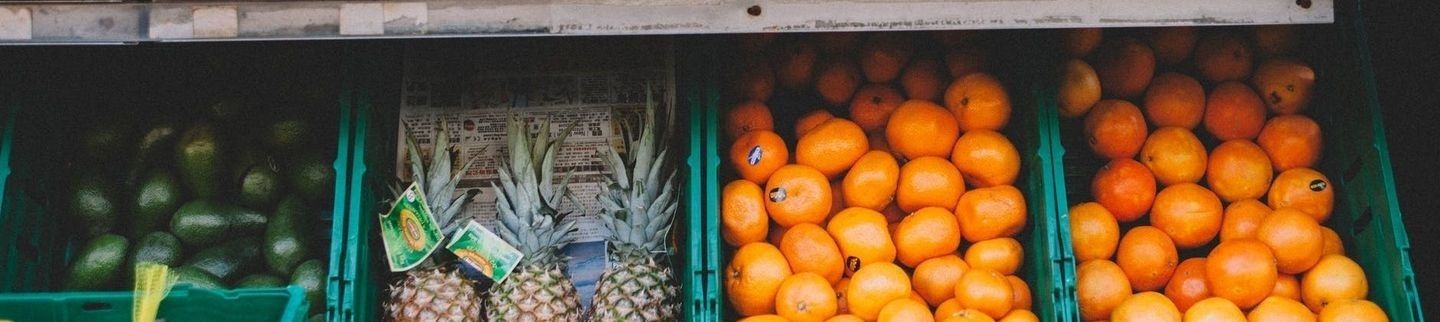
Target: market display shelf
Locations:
point(132, 22)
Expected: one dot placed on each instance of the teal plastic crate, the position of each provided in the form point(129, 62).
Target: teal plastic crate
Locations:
point(1355, 158)
point(1048, 267)
point(36, 244)
point(377, 95)
point(183, 304)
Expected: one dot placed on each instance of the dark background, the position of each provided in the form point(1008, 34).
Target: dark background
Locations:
point(1405, 48)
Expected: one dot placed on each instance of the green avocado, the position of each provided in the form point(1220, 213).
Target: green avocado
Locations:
point(98, 264)
point(310, 275)
point(202, 223)
point(260, 187)
point(286, 240)
point(230, 260)
point(93, 203)
point(196, 278)
point(312, 176)
point(260, 280)
point(200, 157)
point(289, 133)
point(157, 247)
point(155, 146)
point(157, 197)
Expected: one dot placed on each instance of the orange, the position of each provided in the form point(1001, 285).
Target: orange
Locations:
point(797, 194)
point(1287, 286)
point(1334, 279)
point(883, 55)
point(810, 249)
point(805, 297)
point(979, 102)
point(1214, 309)
point(1187, 287)
point(1125, 66)
point(1115, 129)
point(1188, 213)
point(845, 318)
point(837, 42)
point(1020, 316)
point(748, 116)
point(754, 82)
point(764, 318)
point(968, 315)
point(1242, 218)
point(832, 147)
point(989, 213)
point(916, 296)
point(742, 213)
point(928, 233)
point(795, 64)
point(1146, 307)
point(1273, 40)
point(1094, 233)
point(757, 154)
point(919, 128)
point(1079, 89)
point(1100, 286)
point(1306, 190)
point(1353, 311)
point(1125, 187)
point(1295, 238)
point(1238, 170)
point(753, 276)
point(924, 79)
point(811, 120)
point(986, 158)
point(1233, 111)
point(862, 236)
point(935, 278)
point(1021, 290)
point(843, 306)
point(1173, 44)
point(966, 60)
point(873, 105)
point(905, 310)
point(1284, 84)
point(1174, 99)
point(872, 181)
point(929, 182)
point(1080, 42)
point(875, 285)
point(1333, 245)
point(1174, 155)
point(1223, 56)
point(949, 307)
point(755, 42)
point(836, 80)
point(1002, 255)
point(1291, 141)
point(1237, 270)
point(1279, 309)
point(1148, 257)
point(986, 291)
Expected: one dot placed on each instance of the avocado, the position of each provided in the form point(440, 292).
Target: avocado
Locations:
point(230, 260)
point(202, 223)
point(196, 278)
point(155, 145)
point(289, 133)
point(157, 197)
point(260, 186)
point(93, 204)
point(200, 157)
point(310, 275)
point(98, 264)
point(157, 247)
point(108, 140)
point(260, 281)
point(312, 176)
point(287, 241)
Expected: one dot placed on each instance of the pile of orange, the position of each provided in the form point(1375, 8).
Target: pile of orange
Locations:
point(1248, 207)
point(895, 202)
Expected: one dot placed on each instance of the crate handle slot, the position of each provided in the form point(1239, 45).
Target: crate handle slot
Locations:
point(1363, 222)
point(96, 306)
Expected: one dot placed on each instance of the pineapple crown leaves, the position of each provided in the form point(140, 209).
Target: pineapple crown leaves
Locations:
point(527, 202)
point(438, 181)
point(639, 200)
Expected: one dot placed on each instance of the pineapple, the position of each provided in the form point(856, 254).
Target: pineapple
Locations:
point(639, 200)
point(435, 290)
point(530, 219)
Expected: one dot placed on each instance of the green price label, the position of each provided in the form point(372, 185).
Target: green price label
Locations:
point(409, 231)
point(484, 251)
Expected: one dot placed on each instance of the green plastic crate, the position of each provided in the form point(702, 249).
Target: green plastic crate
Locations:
point(36, 248)
point(1047, 267)
point(377, 95)
point(183, 304)
point(1355, 158)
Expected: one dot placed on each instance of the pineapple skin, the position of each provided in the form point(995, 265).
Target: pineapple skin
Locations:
point(534, 293)
point(437, 294)
point(636, 289)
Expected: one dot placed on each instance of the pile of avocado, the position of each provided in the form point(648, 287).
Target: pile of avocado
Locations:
point(224, 204)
